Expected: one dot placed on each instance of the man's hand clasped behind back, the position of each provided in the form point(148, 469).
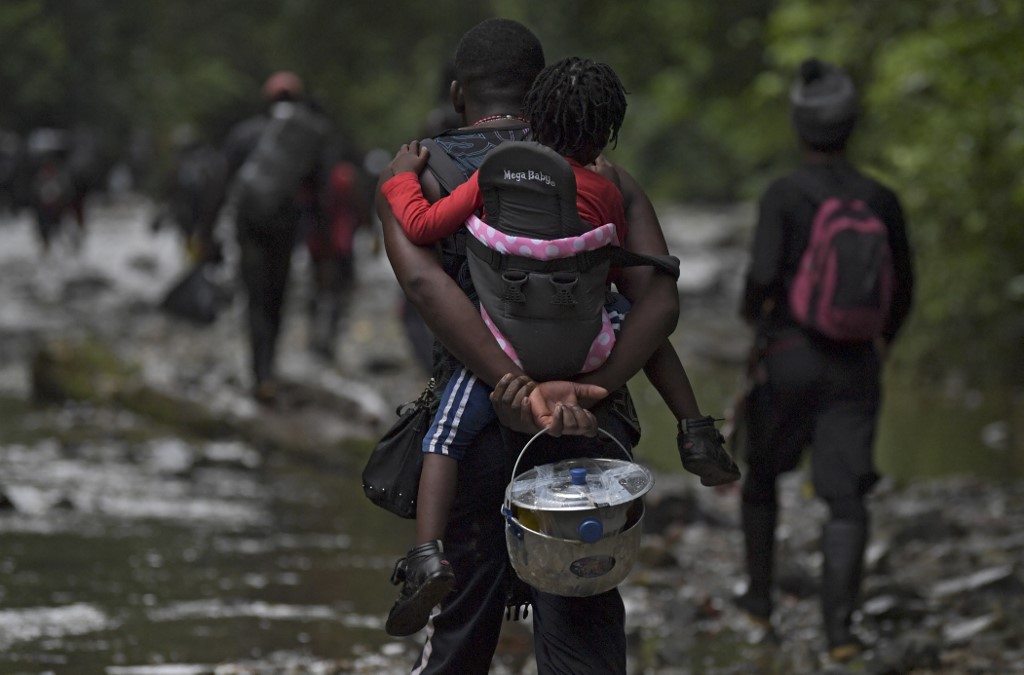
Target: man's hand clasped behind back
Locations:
point(560, 407)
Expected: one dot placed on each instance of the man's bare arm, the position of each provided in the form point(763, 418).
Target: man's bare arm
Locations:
point(654, 295)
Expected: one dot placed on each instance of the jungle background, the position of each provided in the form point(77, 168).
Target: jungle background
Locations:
point(942, 85)
point(155, 519)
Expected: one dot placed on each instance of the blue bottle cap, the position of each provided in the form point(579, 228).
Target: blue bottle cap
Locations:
point(591, 530)
point(578, 475)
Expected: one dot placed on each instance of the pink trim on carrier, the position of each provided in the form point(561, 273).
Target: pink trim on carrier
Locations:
point(542, 249)
point(549, 249)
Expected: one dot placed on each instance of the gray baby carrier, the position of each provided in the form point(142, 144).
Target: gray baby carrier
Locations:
point(551, 311)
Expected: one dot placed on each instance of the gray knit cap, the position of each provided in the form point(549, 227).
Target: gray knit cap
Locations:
point(823, 104)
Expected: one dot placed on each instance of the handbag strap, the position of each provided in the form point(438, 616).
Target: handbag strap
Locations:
point(426, 399)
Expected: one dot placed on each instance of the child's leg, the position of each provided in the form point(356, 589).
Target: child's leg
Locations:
point(617, 307)
point(666, 373)
point(664, 369)
point(464, 411)
point(701, 446)
point(425, 572)
point(438, 478)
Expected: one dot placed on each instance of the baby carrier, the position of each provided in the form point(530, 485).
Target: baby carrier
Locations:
point(540, 271)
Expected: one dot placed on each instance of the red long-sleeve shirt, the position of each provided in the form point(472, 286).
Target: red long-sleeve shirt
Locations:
point(597, 199)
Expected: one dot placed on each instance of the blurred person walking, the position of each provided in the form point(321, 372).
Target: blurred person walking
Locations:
point(192, 191)
point(273, 163)
point(85, 169)
point(51, 188)
point(816, 366)
point(331, 245)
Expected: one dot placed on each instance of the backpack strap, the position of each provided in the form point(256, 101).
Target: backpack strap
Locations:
point(818, 188)
point(666, 264)
point(444, 168)
point(449, 176)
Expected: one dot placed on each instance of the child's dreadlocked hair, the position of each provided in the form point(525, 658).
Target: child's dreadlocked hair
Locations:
point(576, 106)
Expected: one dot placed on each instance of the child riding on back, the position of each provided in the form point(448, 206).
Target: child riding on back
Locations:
point(576, 108)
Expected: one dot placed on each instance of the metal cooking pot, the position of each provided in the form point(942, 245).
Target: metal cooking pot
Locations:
point(573, 527)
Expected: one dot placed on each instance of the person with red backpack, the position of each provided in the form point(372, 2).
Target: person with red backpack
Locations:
point(829, 286)
point(331, 246)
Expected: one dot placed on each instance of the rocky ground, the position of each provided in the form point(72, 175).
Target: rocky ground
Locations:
point(944, 591)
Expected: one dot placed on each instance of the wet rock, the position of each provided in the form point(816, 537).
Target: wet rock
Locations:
point(303, 419)
point(933, 525)
point(676, 500)
point(909, 652)
point(962, 632)
point(174, 411)
point(64, 503)
point(84, 370)
point(666, 508)
point(655, 553)
point(228, 454)
point(147, 264)
point(971, 582)
point(795, 579)
point(893, 601)
point(85, 287)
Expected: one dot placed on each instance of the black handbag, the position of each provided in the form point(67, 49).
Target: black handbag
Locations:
point(391, 478)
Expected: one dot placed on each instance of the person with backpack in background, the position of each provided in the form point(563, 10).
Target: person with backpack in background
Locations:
point(531, 192)
point(331, 245)
point(273, 168)
point(828, 289)
point(192, 191)
point(85, 166)
point(51, 187)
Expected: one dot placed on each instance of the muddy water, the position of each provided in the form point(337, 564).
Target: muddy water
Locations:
point(124, 548)
point(122, 551)
point(127, 550)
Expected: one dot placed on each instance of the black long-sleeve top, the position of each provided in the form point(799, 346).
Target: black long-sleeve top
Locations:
point(785, 214)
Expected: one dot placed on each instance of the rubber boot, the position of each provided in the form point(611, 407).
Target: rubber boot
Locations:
point(759, 540)
point(842, 544)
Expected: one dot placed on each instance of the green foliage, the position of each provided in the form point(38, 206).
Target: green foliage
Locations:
point(34, 54)
point(944, 125)
point(943, 89)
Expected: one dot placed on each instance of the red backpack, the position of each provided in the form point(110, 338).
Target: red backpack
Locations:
point(843, 287)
